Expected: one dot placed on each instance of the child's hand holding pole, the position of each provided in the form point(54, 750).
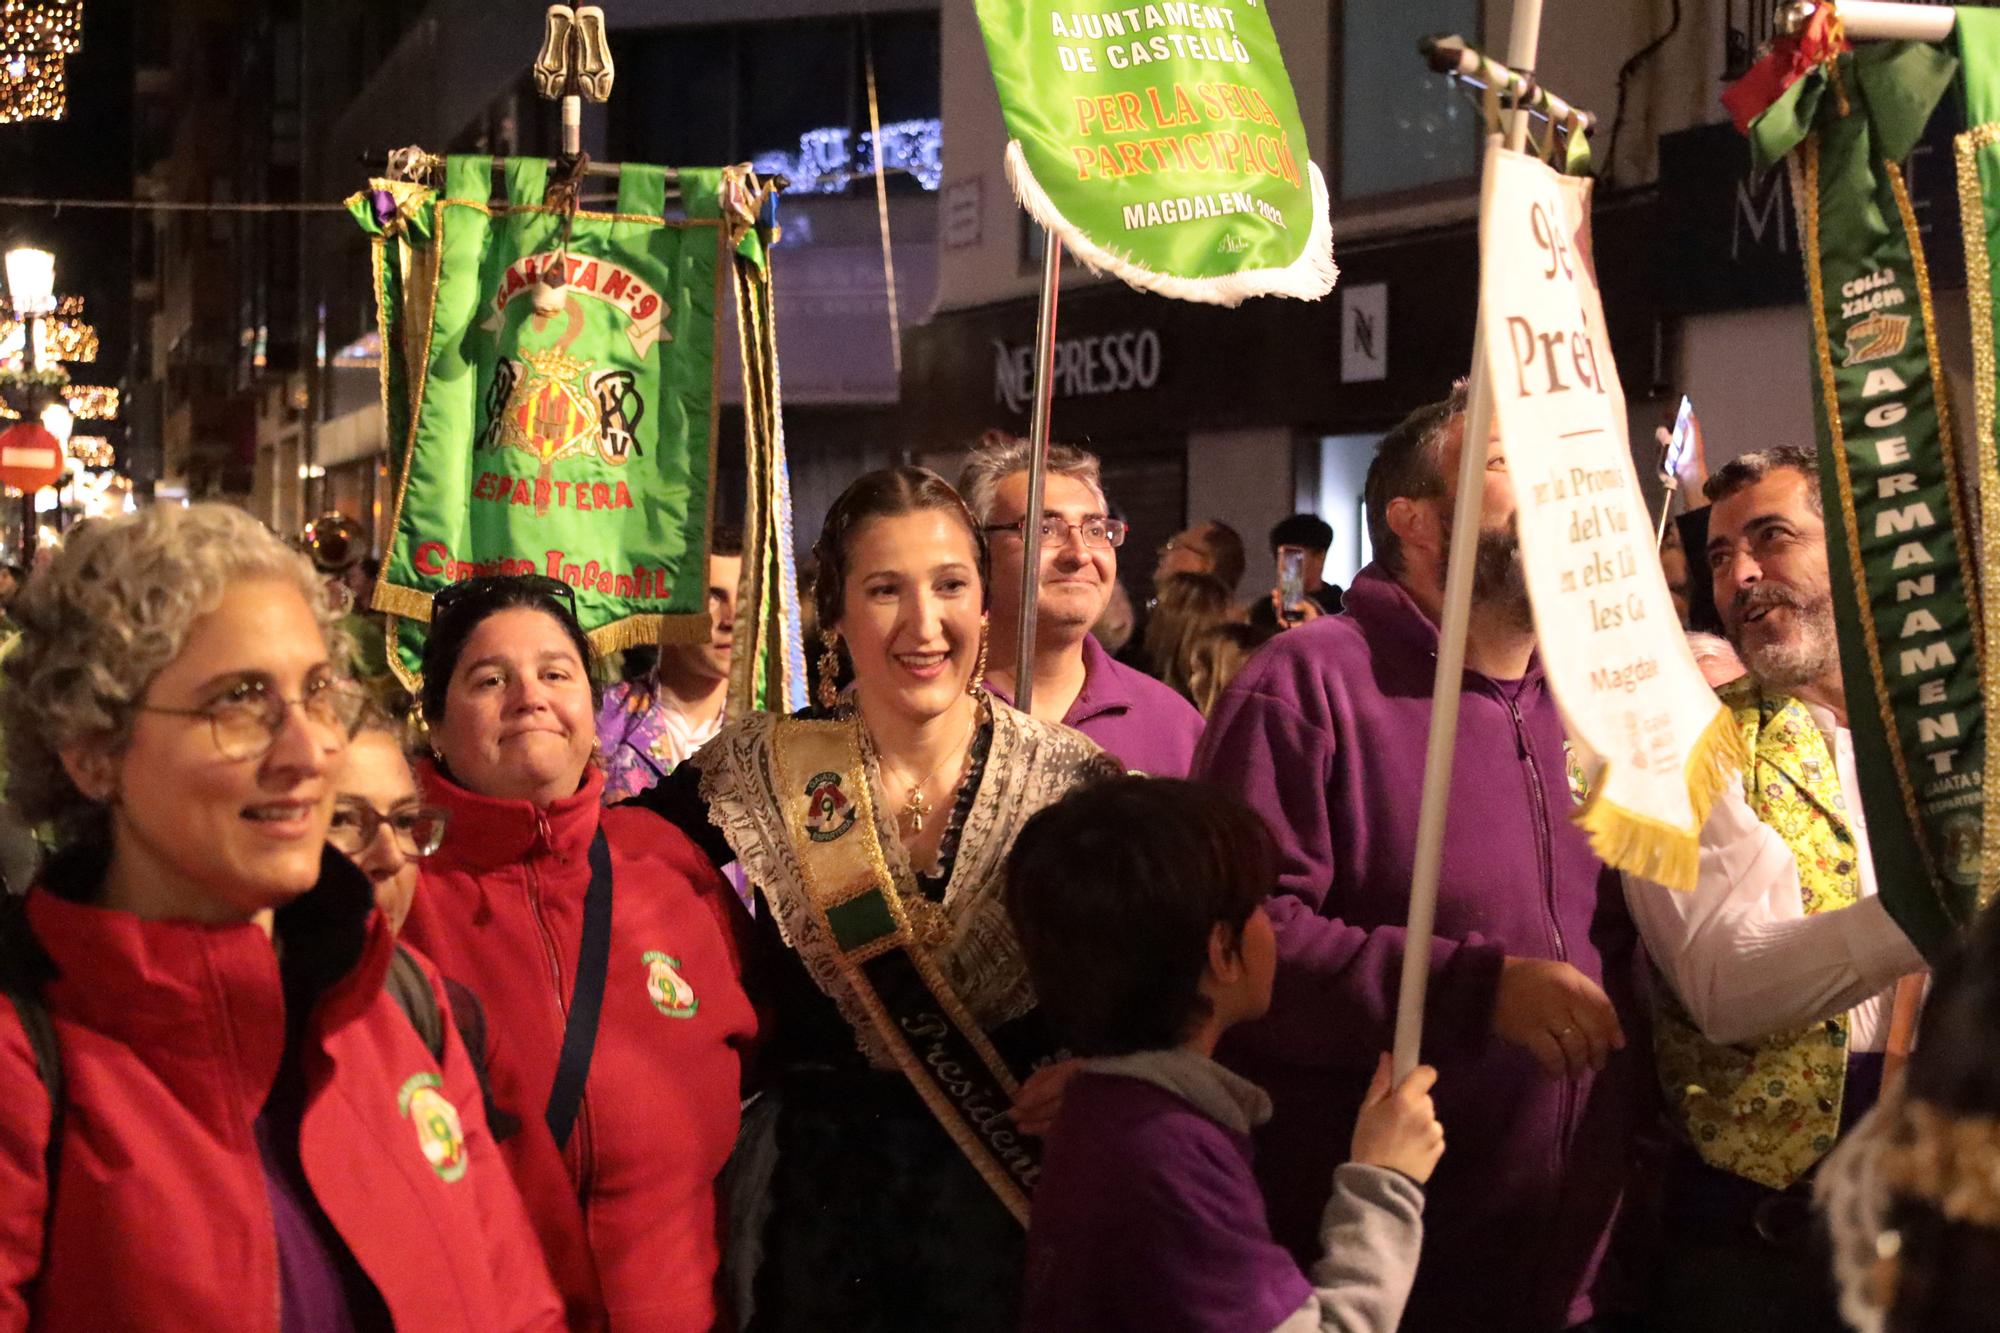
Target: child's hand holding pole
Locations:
point(1398, 1127)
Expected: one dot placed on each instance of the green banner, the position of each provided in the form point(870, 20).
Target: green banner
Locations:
point(1163, 144)
point(1977, 152)
point(1905, 592)
point(562, 397)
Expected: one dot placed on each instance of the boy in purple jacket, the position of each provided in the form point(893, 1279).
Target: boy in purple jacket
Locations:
point(1139, 904)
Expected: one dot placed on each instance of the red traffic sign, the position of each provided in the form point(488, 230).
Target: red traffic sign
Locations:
point(30, 457)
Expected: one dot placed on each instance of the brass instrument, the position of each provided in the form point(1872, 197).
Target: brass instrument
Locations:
point(335, 542)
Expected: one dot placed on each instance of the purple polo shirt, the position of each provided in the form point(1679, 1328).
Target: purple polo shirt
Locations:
point(1144, 725)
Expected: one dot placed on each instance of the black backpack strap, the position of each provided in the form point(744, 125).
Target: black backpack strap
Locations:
point(412, 991)
point(592, 962)
point(24, 970)
point(41, 1031)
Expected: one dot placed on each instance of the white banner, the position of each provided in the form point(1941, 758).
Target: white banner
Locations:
point(1654, 742)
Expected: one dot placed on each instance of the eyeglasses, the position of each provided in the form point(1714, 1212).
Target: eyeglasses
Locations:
point(453, 594)
point(1103, 533)
point(418, 830)
point(247, 720)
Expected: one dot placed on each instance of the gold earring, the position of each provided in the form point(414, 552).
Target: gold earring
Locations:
point(977, 685)
point(829, 670)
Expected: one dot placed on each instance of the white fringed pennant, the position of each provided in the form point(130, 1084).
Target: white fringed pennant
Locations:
point(1307, 278)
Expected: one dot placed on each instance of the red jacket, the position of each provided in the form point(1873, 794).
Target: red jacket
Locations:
point(500, 909)
point(171, 1037)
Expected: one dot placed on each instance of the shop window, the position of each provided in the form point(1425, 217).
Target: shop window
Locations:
point(1398, 130)
point(1334, 489)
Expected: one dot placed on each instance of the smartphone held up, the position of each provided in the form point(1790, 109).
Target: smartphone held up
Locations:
point(1291, 584)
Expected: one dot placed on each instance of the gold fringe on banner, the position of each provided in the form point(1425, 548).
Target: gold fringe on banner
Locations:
point(408, 679)
point(1658, 851)
point(766, 603)
point(746, 666)
point(409, 603)
point(1985, 369)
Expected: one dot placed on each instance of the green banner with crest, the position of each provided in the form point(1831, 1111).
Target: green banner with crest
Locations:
point(555, 370)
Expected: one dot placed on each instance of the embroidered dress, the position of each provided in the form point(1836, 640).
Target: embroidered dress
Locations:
point(852, 1206)
point(644, 738)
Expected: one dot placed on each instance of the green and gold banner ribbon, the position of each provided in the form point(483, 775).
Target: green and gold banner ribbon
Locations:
point(1163, 144)
point(1977, 154)
point(882, 933)
point(397, 216)
point(1905, 589)
point(768, 669)
point(558, 388)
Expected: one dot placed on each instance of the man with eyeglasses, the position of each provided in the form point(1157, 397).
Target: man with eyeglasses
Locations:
point(1145, 725)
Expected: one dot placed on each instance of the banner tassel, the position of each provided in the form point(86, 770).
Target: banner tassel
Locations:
point(1656, 851)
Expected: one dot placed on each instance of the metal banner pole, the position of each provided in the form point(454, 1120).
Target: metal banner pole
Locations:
point(1465, 520)
point(1038, 466)
point(31, 348)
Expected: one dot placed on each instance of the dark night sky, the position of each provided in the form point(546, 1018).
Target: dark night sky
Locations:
point(88, 154)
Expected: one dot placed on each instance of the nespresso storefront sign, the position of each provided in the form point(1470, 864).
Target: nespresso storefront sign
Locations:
point(1105, 363)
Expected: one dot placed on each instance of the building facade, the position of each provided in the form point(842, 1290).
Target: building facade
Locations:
point(1247, 415)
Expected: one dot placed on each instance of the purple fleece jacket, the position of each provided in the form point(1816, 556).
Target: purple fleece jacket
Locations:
point(1144, 725)
point(1324, 733)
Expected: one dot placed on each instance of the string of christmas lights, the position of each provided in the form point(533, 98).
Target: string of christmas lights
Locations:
point(36, 37)
point(63, 336)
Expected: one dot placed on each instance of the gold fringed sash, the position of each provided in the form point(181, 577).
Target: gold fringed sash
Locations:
point(822, 786)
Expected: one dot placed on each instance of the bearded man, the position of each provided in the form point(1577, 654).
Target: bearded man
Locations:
point(1777, 971)
point(1531, 985)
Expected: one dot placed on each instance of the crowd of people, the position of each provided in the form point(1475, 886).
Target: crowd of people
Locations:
point(604, 1008)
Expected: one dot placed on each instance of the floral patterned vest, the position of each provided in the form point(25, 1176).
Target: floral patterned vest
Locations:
point(1768, 1110)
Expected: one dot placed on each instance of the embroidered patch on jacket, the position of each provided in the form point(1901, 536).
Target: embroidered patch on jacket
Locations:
point(670, 993)
point(1579, 785)
point(829, 812)
point(439, 1133)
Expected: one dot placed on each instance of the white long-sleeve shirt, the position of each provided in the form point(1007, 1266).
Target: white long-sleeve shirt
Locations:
point(1740, 950)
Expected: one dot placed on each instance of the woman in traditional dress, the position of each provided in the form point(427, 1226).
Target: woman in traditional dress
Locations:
point(880, 1183)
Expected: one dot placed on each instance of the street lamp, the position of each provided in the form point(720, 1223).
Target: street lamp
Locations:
point(31, 280)
point(31, 286)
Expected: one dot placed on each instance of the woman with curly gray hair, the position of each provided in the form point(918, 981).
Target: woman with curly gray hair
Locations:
point(212, 1112)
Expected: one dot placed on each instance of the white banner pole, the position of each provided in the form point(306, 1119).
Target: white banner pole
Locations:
point(1878, 20)
point(1522, 45)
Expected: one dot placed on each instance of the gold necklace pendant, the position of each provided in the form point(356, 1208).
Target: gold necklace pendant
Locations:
point(915, 809)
